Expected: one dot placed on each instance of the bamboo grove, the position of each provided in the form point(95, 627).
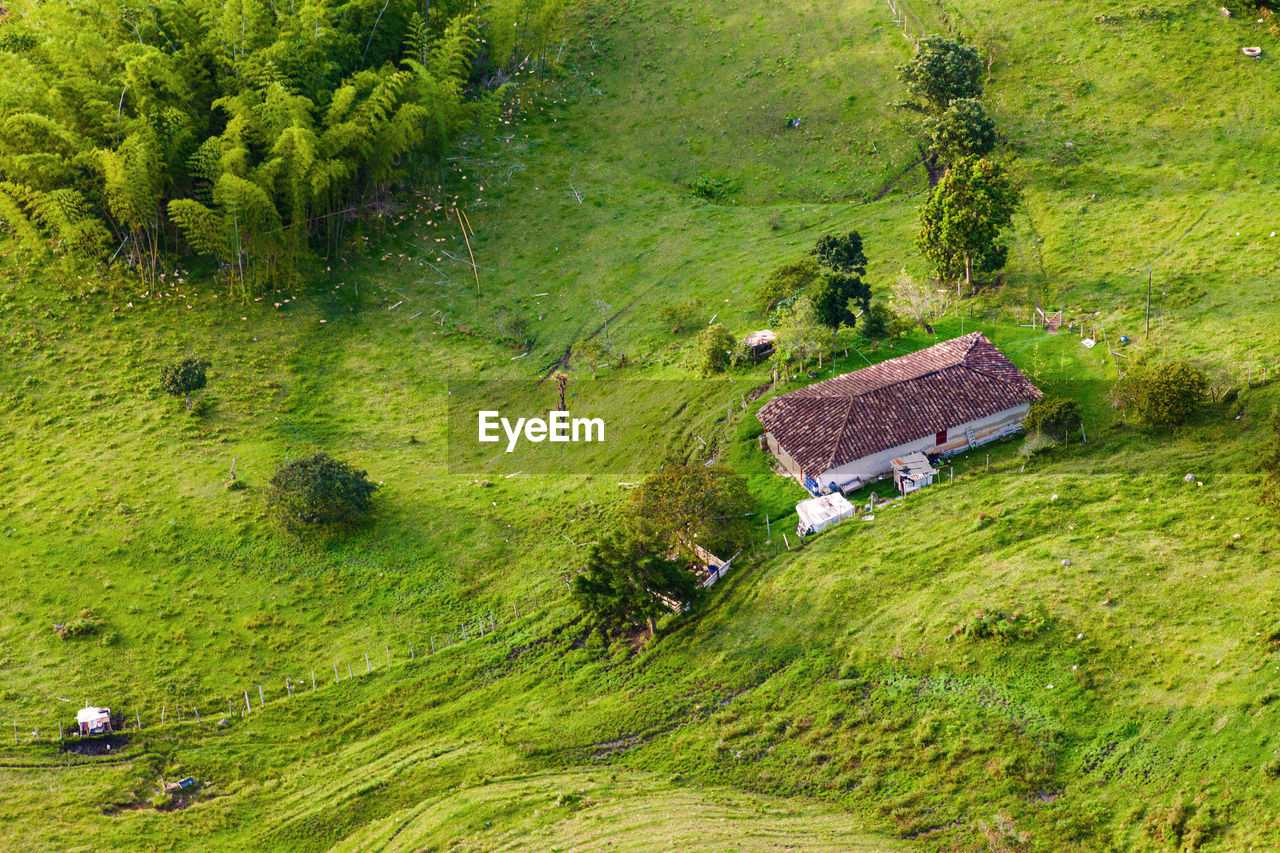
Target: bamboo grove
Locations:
point(246, 131)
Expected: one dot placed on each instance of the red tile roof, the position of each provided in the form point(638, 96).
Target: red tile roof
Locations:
point(904, 399)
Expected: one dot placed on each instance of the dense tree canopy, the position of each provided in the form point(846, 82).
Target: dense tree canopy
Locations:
point(838, 298)
point(626, 579)
point(962, 130)
point(961, 220)
point(245, 130)
point(183, 377)
point(943, 70)
point(689, 505)
point(842, 253)
point(321, 490)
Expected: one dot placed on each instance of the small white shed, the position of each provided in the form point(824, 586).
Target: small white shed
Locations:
point(93, 721)
point(821, 512)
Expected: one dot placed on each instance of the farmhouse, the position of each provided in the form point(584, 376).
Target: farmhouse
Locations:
point(841, 433)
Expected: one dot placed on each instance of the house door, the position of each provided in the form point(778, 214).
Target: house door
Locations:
point(941, 438)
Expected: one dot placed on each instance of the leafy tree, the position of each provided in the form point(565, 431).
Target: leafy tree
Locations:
point(800, 335)
point(961, 220)
point(691, 505)
point(838, 298)
point(715, 349)
point(321, 490)
point(248, 129)
point(1162, 394)
point(591, 352)
point(1056, 417)
point(943, 70)
point(841, 295)
point(962, 130)
point(880, 322)
point(184, 377)
point(994, 43)
point(625, 580)
point(785, 282)
point(842, 254)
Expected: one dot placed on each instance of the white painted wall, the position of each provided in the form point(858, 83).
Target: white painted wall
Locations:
point(870, 467)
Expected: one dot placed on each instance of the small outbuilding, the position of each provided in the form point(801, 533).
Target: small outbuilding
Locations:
point(760, 344)
point(819, 513)
point(93, 721)
point(912, 472)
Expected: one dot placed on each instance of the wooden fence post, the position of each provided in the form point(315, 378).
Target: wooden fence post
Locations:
point(138, 715)
point(262, 701)
point(162, 710)
point(410, 650)
point(335, 672)
point(388, 656)
point(367, 666)
point(313, 681)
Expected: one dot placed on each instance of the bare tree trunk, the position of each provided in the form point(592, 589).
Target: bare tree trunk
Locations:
point(652, 629)
point(968, 275)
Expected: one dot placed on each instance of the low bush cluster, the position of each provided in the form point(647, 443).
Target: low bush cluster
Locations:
point(1003, 625)
point(86, 624)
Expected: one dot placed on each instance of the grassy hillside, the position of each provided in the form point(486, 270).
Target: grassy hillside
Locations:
point(827, 698)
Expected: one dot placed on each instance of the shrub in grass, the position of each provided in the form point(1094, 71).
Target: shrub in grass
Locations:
point(320, 490)
point(184, 377)
point(1002, 625)
point(86, 624)
point(880, 322)
point(591, 352)
point(1057, 417)
point(681, 316)
point(1162, 394)
point(716, 349)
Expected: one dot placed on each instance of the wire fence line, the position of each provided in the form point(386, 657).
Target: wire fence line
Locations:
point(241, 702)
